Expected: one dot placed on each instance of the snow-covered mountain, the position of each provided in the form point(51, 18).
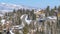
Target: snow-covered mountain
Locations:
point(10, 7)
point(5, 7)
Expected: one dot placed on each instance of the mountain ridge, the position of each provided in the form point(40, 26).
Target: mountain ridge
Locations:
point(5, 7)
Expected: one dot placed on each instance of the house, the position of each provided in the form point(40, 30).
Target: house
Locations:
point(50, 23)
point(52, 18)
point(17, 28)
point(6, 25)
point(40, 14)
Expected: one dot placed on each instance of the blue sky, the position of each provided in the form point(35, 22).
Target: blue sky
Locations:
point(34, 3)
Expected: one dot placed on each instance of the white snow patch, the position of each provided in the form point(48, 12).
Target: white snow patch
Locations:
point(3, 21)
point(28, 21)
point(52, 17)
point(21, 17)
point(18, 27)
point(11, 32)
point(23, 24)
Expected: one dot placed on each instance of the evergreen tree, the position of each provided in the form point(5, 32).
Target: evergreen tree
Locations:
point(32, 12)
point(47, 12)
point(52, 12)
point(14, 11)
point(55, 8)
point(33, 17)
point(23, 11)
point(0, 19)
point(17, 32)
point(59, 8)
point(25, 29)
point(19, 20)
point(19, 11)
point(27, 11)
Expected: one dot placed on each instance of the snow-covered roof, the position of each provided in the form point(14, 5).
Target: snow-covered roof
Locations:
point(52, 17)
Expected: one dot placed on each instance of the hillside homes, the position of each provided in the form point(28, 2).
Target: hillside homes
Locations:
point(40, 14)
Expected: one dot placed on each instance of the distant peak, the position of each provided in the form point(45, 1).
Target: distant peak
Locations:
point(8, 7)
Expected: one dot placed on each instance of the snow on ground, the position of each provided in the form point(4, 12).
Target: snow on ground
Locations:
point(22, 16)
point(28, 21)
point(23, 24)
point(3, 21)
point(22, 21)
point(18, 27)
point(11, 32)
point(20, 32)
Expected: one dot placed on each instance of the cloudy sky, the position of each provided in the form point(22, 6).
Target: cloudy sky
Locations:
point(34, 3)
